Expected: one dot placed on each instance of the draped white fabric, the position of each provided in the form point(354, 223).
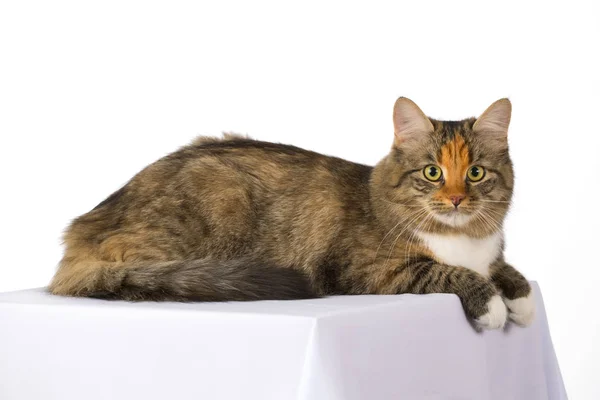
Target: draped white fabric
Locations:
point(346, 347)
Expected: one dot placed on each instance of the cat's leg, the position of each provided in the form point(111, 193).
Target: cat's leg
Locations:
point(479, 297)
point(516, 292)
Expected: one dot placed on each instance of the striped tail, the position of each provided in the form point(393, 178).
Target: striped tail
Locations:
point(191, 280)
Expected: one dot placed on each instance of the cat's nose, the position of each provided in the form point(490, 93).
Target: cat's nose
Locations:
point(456, 199)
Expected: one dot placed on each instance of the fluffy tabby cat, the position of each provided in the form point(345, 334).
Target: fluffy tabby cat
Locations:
point(239, 219)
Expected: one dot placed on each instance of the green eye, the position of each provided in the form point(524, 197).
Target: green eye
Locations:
point(432, 172)
point(476, 173)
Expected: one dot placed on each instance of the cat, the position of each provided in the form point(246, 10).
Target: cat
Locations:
point(235, 219)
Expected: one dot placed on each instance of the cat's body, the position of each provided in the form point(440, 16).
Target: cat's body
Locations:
point(238, 219)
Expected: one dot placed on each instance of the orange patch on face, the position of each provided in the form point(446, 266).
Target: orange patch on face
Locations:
point(454, 160)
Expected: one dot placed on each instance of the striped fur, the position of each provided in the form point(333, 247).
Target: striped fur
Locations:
point(239, 219)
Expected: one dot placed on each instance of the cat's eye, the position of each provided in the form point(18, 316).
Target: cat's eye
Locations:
point(476, 173)
point(432, 173)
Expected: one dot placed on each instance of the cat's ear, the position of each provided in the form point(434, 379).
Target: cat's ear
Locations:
point(409, 122)
point(495, 120)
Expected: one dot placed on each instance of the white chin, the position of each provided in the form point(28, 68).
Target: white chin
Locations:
point(453, 219)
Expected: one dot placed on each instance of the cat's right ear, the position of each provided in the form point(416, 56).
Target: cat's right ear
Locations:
point(410, 123)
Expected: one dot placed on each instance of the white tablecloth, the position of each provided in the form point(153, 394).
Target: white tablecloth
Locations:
point(347, 347)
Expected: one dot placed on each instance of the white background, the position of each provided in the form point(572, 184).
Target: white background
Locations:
point(91, 92)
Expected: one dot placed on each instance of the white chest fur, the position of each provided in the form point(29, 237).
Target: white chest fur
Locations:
point(464, 251)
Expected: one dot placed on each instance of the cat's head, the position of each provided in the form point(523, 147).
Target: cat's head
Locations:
point(446, 175)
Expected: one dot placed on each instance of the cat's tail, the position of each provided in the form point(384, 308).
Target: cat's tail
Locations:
point(192, 280)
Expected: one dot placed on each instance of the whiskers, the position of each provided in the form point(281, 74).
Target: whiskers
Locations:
point(402, 204)
point(479, 215)
point(408, 226)
point(413, 237)
point(410, 219)
point(490, 219)
point(493, 201)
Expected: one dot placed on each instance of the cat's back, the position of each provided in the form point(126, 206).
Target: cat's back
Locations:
point(260, 155)
point(226, 197)
point(213, 163)
point(219, 178)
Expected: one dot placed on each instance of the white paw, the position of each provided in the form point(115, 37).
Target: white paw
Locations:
point(521, 310)
point(495, 318)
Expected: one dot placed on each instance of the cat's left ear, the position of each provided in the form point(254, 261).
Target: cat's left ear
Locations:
point(494, 121)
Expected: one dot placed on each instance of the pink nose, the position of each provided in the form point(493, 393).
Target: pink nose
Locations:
point(456, 199)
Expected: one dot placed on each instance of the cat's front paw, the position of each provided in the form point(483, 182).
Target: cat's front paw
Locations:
point(522, 309)
point(496, 314)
